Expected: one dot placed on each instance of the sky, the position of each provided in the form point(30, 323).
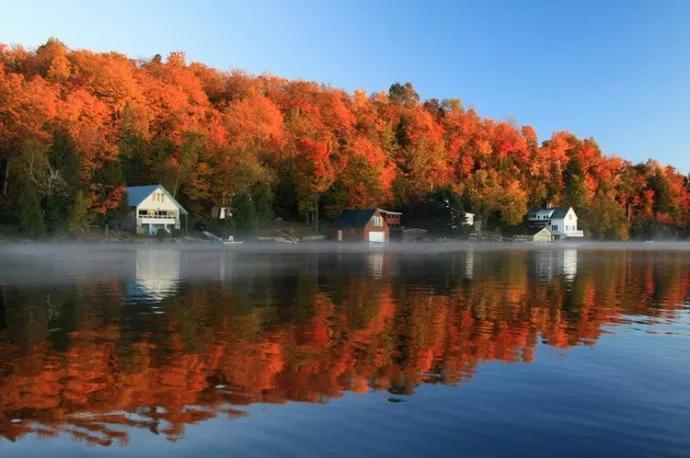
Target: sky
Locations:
point(615, 70)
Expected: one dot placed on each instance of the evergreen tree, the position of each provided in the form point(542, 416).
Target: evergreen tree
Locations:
point(79, 217)
point(62, 157)
point(662, 197)
point(575, 188)
point(30, 215)
point(440, 211)
point(262, 197)
point(244, 215)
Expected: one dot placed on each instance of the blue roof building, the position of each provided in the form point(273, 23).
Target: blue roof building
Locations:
point(154, 209)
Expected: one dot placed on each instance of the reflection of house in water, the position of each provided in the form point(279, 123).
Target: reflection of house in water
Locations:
point(469, 264)
point(556, 262)
point(543, 264)
point(157, 275)
point(569, 264)
point(375, 261)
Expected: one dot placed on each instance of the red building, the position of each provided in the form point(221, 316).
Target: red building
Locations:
point(362, 225)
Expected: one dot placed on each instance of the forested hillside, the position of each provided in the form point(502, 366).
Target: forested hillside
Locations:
point(76, 125)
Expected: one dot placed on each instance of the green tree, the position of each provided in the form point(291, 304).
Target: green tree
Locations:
point(575, 187)
point(30, 215)
point(79, 217)
point(403, 94)
point(440, 211)
point(262, 198)
point(244, 215)
point(64, 160)
point(663, 203)
point(605, 218)
point(133, 151)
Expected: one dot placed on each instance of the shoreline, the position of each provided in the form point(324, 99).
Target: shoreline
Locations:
point(326, 247)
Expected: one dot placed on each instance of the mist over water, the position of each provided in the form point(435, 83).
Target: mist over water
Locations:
point(56, 262)
point(566, 349)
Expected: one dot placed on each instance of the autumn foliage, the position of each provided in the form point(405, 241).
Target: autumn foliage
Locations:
point(210, 136)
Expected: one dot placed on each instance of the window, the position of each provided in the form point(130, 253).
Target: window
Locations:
point(554, 227)
point(377, 221)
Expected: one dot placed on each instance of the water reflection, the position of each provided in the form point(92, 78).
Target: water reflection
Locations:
point(157, 274)
point(79, 357)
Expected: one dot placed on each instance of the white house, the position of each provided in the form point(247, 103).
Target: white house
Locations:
point(561, 221)
point(469, 219)
point(153, 208)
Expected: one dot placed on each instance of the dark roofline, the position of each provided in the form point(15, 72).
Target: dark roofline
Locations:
point(151, 188)
point(555, 211)
point(351, 217)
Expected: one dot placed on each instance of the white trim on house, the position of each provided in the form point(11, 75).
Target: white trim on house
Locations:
point(561, 221)
point(565, 227)
point(154, 208)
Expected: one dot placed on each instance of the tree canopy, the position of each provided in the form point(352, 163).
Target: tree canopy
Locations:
point(76, 125)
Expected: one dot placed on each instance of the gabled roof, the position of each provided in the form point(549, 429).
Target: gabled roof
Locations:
point(354, 218)
point(560, 212)
point(551, 212)
point(137, 194)
point(538, 213)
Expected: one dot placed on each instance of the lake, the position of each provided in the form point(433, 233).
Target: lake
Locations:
point(579, 350)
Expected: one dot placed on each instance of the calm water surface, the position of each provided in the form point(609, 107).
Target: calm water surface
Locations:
point(481, 351)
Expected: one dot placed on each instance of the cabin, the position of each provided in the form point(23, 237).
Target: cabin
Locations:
point(561, 221)
point(361, 225)
point(153, 208)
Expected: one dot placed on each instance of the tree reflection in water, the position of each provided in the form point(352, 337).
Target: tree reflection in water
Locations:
point(155, 346)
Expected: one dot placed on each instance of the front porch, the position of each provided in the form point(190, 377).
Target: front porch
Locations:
point(151, 224)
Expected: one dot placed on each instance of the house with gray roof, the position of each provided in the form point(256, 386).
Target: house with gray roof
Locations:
point(153, 209)
point(561, 221)
point(368, 225)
